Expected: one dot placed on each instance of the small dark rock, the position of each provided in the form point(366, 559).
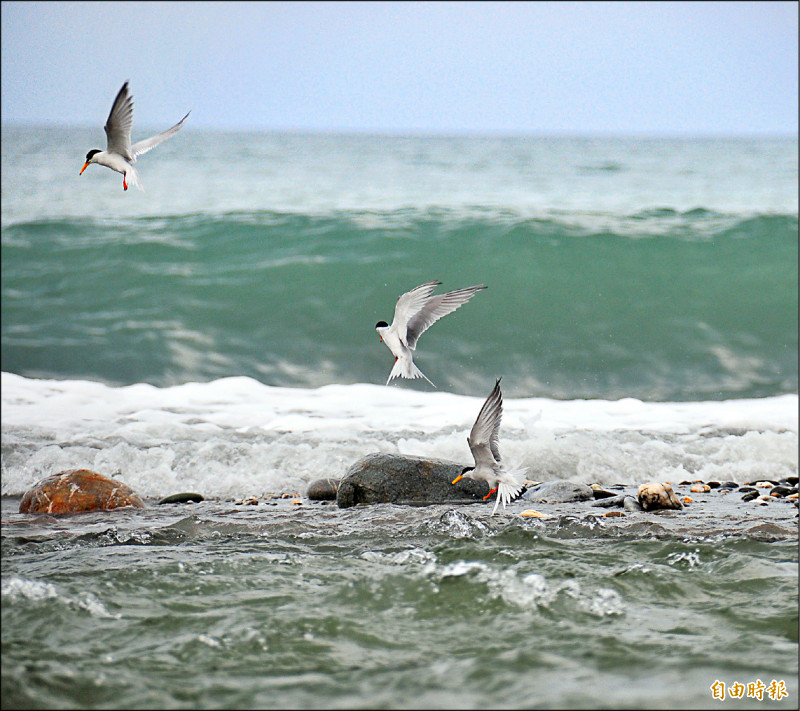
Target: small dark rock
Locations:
point(790, 480)
point(747, 489)
point(391, 478)
point(323, 489)
point(730, 485)
point(750, 495)
point(602, 494)
point(781, 491)
point(609, 502)
point(556, 492)
point(631, 504)
point(714, 484)
point(188, 498)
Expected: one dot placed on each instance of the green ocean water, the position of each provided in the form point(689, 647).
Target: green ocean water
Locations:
point(661, 269)
point(389, 607)
point(659, 305)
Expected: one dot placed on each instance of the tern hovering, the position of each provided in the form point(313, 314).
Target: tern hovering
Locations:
point(119, 154)
point(483, 443)
point(415, 312)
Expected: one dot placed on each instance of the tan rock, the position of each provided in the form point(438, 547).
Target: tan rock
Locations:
point(700, 488)
point(530, 513)
point(654, 496)
point(75, 491)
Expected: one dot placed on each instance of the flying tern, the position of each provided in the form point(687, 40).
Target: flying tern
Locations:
point(119, 154)
point(415, 312)
point(483, 443)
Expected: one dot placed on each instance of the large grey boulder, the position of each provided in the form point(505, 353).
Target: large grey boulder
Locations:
point(417, 481)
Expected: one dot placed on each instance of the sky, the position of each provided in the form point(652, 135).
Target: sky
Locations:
point(652, 68)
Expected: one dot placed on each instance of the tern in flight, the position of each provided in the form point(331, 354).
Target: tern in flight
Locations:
point(119, 154)
point(415, 312)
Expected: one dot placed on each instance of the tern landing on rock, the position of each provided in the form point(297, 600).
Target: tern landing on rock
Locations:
point(415, 312)
point(483, 443)
point(119, 154)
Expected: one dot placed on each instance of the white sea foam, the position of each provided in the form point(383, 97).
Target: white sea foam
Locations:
point(235, 436)
point(21, 588)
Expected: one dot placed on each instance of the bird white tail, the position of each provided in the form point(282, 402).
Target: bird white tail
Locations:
point(132, 178)
point(405, 368)
point(507, 491)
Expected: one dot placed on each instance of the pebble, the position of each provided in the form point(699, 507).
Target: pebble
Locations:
point(765, 484)
point(323, 489)
point(187, 498)
point(700, 488)
point(608, 502)
point(687, 500)
point(530, 513)
point(555, 492)
point(750, 495)
point(249, 501)
point(609, 514)
point(631, 504)
point(781, 491)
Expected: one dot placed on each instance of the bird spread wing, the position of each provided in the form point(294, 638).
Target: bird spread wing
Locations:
point(435, 308)
point(119, 122)
point(408, 305)
point(148, 143)
point(485, 434)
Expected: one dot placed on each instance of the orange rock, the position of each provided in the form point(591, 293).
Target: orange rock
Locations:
point(77, 490)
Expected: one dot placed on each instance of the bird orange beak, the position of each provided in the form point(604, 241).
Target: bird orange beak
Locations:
point(85, 166)
point(457, 479)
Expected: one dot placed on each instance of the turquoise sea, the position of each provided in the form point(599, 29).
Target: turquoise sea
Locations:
point(215, 333)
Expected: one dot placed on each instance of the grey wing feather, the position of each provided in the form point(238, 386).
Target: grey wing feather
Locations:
point(486, 429)
point(409, 304)
point(119, 122)
point(435, 308)
point(148, 143)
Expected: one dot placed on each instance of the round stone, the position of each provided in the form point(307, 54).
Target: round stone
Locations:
point(77, 491)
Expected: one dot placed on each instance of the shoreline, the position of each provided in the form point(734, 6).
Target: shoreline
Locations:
point(710, 514)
